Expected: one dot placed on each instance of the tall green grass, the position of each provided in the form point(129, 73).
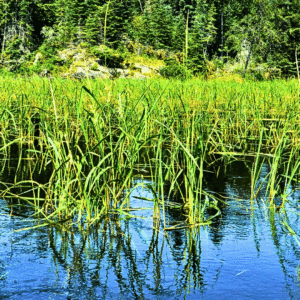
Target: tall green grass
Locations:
point(93, 139)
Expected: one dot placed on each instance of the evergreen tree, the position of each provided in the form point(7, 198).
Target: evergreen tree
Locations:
point(178, 33)
point(255, 32)
point(159, 24)
point(287, 25)
point(94, 27)
point(16, 28)
point(265, 31)
point(202, 35)
point(119, 17)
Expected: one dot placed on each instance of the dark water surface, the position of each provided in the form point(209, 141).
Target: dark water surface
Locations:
point(245, 254)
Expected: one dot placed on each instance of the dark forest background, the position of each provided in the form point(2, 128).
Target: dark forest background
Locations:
point(266, 31)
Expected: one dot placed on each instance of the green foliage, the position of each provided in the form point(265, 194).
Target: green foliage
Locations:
point(178, 34)
point(258, 76)
point(110, 132)
point(158, 24)
point(12, 49)
point(49, 61)
point(93, 31)
point(108, 58)
point(201, 36)
point(175, 70)
point(252, 32)
point(94, 67)
point(118, 20)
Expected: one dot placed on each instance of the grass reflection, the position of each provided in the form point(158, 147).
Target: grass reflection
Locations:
point(106, 259)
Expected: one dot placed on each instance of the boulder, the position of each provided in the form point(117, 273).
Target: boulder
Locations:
point(143, 69)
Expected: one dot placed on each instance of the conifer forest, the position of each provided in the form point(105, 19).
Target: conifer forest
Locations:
point(266, 32)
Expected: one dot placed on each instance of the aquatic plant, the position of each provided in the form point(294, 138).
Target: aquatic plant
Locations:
point(87, 142)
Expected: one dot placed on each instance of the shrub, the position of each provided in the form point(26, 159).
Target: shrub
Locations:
point(108, 57)
point(94, 67)
point(175, 70)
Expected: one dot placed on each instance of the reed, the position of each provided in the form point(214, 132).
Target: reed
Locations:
point(88, 146)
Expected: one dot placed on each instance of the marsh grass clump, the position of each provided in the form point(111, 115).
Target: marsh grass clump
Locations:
point(79, 147)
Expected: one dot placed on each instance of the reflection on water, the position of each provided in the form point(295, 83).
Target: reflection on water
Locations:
point(245, 254)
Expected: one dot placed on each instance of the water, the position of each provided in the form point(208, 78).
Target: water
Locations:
point(245, 254)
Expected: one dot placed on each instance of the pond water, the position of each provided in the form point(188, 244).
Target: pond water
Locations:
point(245, 253)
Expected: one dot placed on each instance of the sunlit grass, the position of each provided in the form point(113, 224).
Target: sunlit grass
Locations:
point(97, 135)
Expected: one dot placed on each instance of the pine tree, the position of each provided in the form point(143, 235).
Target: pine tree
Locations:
point(254, 33)
point(17, 28)
point(159, 24)
point(202, 35)
point(287, 26)
point(93, 29)
point(178, 33)
point(119, 17)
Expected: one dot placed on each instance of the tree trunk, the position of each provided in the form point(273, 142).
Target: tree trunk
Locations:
point(222, 30)
point(141, 5)
point(248, 58)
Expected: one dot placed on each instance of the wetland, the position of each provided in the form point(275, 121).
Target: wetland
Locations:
point(149, 189)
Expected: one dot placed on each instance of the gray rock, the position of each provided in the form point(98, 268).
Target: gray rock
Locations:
point(143, 69)
point(139, 76)
point(63, 56)
point(78, 56)
point(45, 73)
point(38, 56)
point(80, 74)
